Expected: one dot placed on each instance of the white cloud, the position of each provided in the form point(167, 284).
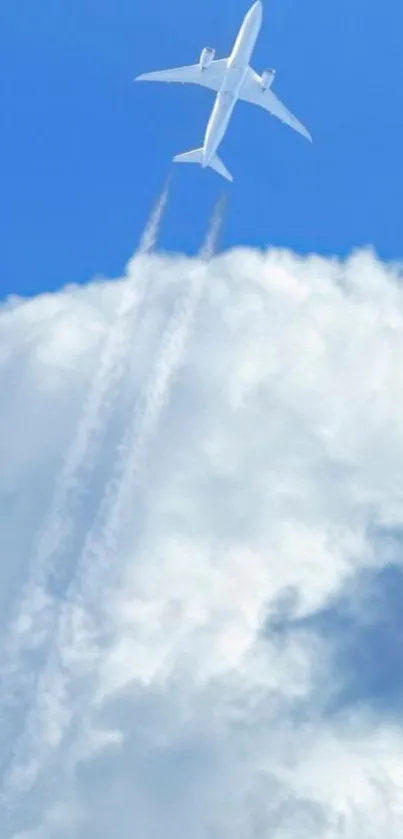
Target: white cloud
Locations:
point(252, 446)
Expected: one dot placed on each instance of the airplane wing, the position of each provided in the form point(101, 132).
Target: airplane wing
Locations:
point(212, 76)
point(252, 91)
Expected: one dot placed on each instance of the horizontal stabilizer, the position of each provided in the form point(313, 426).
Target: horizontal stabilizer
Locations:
point(218, 166)
point(196, 156)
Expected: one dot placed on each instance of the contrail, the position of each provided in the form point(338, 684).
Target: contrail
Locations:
point(135, 443)
point(210, 243)
point(76, 628)
point(35, 612)
point(149, 237)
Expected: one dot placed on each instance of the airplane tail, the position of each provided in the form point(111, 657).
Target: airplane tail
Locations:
point(196, 156)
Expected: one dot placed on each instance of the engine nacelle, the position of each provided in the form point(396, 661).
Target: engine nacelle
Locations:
point(206, 57)
point(267, 78)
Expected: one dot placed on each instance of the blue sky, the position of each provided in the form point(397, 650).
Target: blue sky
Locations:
point(84, 152)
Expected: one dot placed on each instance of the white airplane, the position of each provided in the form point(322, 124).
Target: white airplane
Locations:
point(233, 79)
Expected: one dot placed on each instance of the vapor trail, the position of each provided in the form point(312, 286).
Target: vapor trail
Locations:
point(145, 420)
point(209, 246)
point(34, 616)
point(76, 630)
point(150, 235)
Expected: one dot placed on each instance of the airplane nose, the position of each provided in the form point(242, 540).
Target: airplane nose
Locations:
point(257, 7)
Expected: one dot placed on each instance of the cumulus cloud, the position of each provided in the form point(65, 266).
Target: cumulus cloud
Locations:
point(215, 603)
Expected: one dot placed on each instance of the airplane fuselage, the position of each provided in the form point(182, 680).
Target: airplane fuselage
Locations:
point(228, 94)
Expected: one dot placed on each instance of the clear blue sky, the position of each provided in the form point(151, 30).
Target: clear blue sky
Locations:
point(84, 152)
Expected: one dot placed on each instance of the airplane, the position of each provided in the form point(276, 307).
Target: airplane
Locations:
point(232, 78)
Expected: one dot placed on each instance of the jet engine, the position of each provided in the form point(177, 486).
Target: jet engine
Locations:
point(267, 78)
point(206, 57)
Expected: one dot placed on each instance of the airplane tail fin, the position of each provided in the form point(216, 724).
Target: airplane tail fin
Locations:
point(196, 156)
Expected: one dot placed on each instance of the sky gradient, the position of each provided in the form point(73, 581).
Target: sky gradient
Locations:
point(84, 152)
